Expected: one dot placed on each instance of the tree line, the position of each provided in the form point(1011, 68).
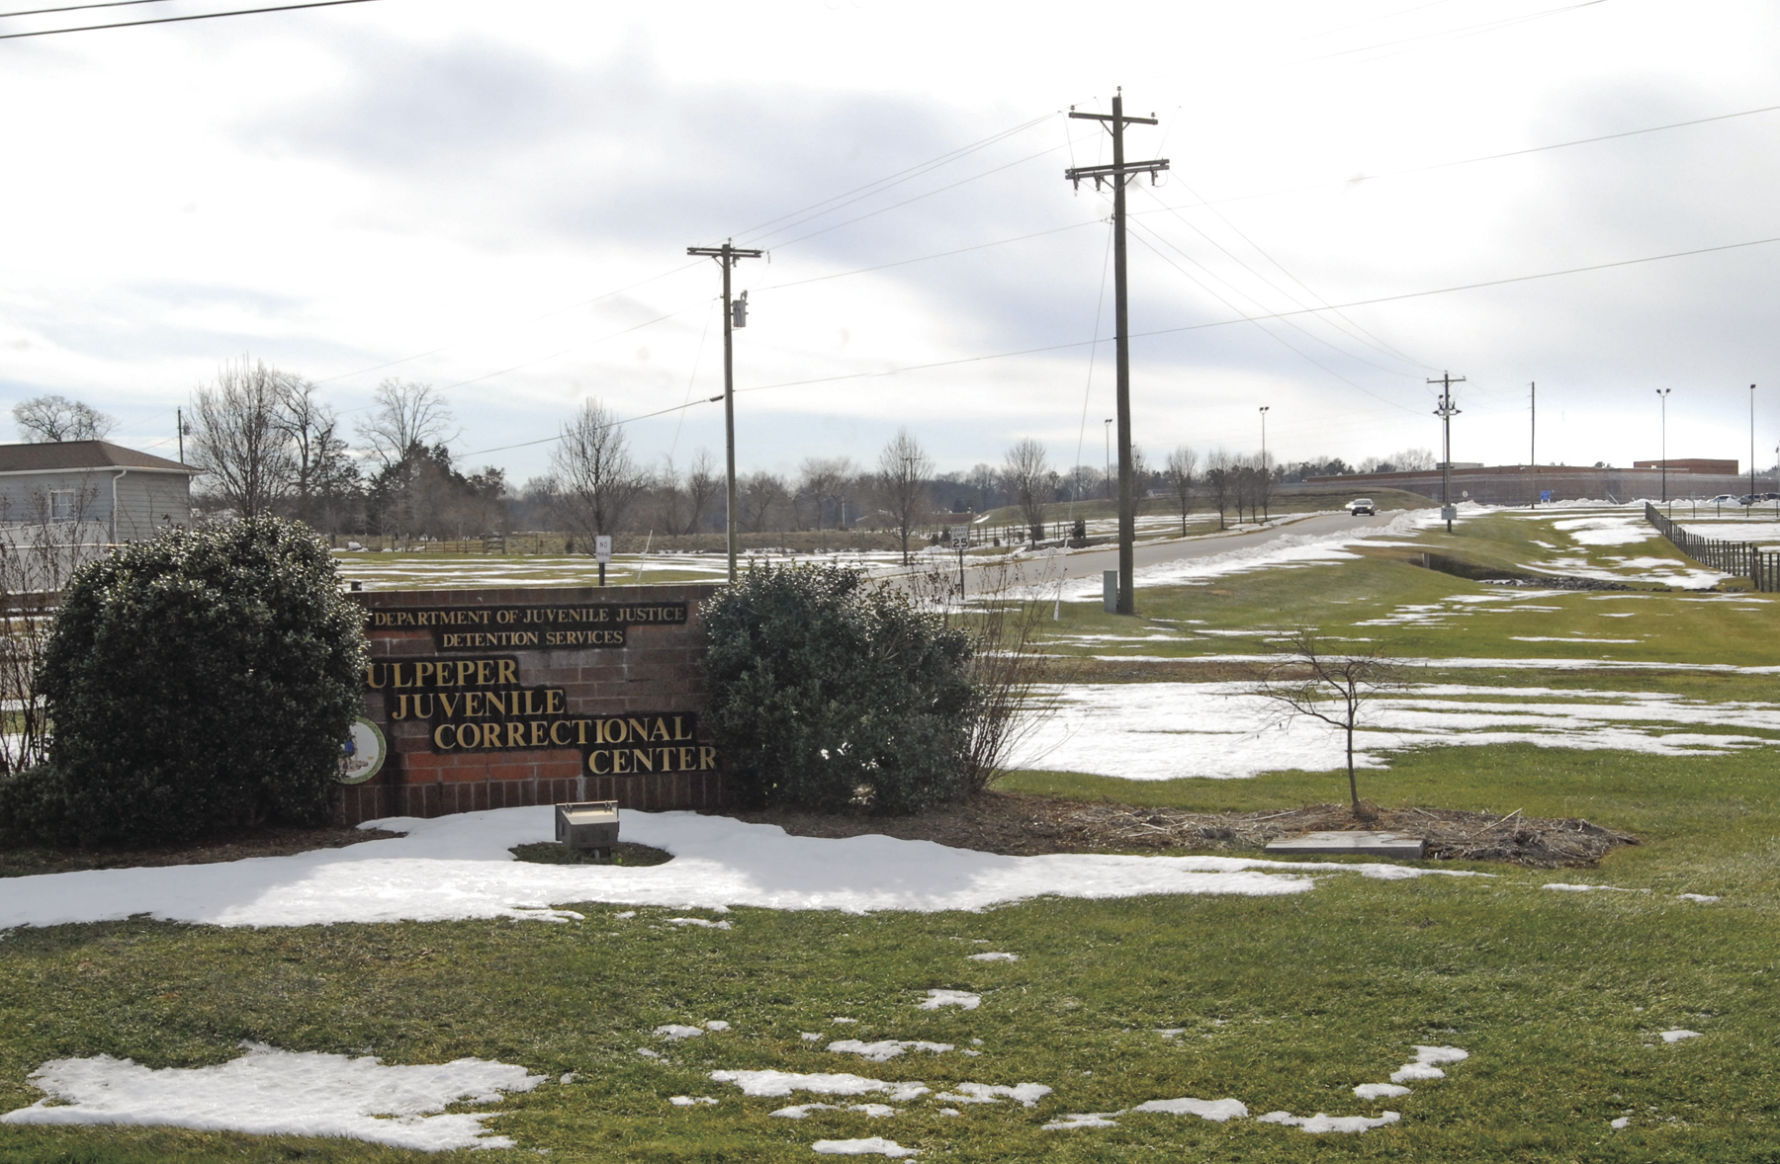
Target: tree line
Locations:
point(268, 444)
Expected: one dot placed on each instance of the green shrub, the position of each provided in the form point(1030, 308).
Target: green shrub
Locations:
point(827, 693)
point(197, 682)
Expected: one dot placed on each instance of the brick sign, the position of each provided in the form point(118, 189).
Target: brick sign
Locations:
point(492, 698)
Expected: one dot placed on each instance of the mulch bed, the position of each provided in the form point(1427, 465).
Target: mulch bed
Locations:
point(1017, 825)
point(258, 843)
point(1007, 823)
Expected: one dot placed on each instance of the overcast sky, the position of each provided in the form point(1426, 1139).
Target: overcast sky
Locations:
point(497, 198)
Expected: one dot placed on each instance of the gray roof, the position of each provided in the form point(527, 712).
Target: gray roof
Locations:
point(73, 456)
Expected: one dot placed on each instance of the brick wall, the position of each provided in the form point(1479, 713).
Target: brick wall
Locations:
point(482, 665)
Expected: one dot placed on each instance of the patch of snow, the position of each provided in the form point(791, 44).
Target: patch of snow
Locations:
point(1380, 1091)
point(690, 1100)
point(1025, 1094)
point(963, 999)
point(1320, 1124)
point(994, 957)
point(873, 1146)
point(1215, 1110)
point(1559, 639)
point(1675, 1036)
point(1086, 1119)
point(459, 866)
point(884, 1049)
point(777, 1083)
point(1228, 730)
point(273, 1092)
point(802, 1110)
point(1427, 1063)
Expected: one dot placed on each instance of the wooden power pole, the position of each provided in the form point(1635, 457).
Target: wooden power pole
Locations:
point(1118, 173)
point(1446, 412)
point(727, 257)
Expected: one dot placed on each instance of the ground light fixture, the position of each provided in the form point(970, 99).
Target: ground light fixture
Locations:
point(588, 826)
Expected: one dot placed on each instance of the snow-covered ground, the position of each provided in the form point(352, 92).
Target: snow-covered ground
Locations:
point(460, 867)
point(1164, 731)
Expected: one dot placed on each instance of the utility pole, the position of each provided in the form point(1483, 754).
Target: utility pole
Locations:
point(1446, 412)
point(1118, 173)
point(1533, 440)
point(727, 256)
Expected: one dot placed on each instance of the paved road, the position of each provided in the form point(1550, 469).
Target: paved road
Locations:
point(1091, 563)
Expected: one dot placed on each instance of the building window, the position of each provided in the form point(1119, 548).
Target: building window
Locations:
point(61, 505)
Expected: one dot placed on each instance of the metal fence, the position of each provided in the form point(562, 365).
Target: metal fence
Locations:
point(1740, 558)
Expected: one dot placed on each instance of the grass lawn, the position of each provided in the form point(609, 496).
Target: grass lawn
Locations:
point(1560, 998)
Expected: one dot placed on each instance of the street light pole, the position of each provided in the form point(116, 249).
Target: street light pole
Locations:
point(1264, 513)
point(1662, 395)
point(1752, 444)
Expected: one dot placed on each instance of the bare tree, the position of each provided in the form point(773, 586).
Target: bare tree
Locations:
point(1218, 477)
point(48, 419)
point(1414, 460)
point(1263, 484)
point(1183, 467)
point(324, 478)
point(667, 498)
point(1026, 476)
point(903, 469)
point(703, 485)
point(240, 438)
point(1307, 680)
point(597, 479)
point(42, 544)
point(823, 484)
point(758, 495)
point(404, 415)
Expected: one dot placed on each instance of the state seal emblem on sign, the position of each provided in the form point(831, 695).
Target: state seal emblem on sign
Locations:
point(361, 756)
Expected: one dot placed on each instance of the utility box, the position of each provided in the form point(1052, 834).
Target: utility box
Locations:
point(589, 825)
point(1109, 590)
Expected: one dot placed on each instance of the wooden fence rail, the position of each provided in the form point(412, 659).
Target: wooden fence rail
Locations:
point(1740, 558)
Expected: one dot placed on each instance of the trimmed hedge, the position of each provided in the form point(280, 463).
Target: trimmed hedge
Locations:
point(197, 682)
point(830, 694)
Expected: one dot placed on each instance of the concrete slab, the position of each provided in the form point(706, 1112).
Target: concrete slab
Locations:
point(1356, 841)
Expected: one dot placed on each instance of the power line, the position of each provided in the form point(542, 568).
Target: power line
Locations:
point(1261, 325)
point(1000, 242)
point(1344, 324)
point(180, 19)
point(1407, 295)
point(614, 424)
point(835, 202)
point(1496, 157)
point(920, 197)
point(792, 218)
point(78, 7)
